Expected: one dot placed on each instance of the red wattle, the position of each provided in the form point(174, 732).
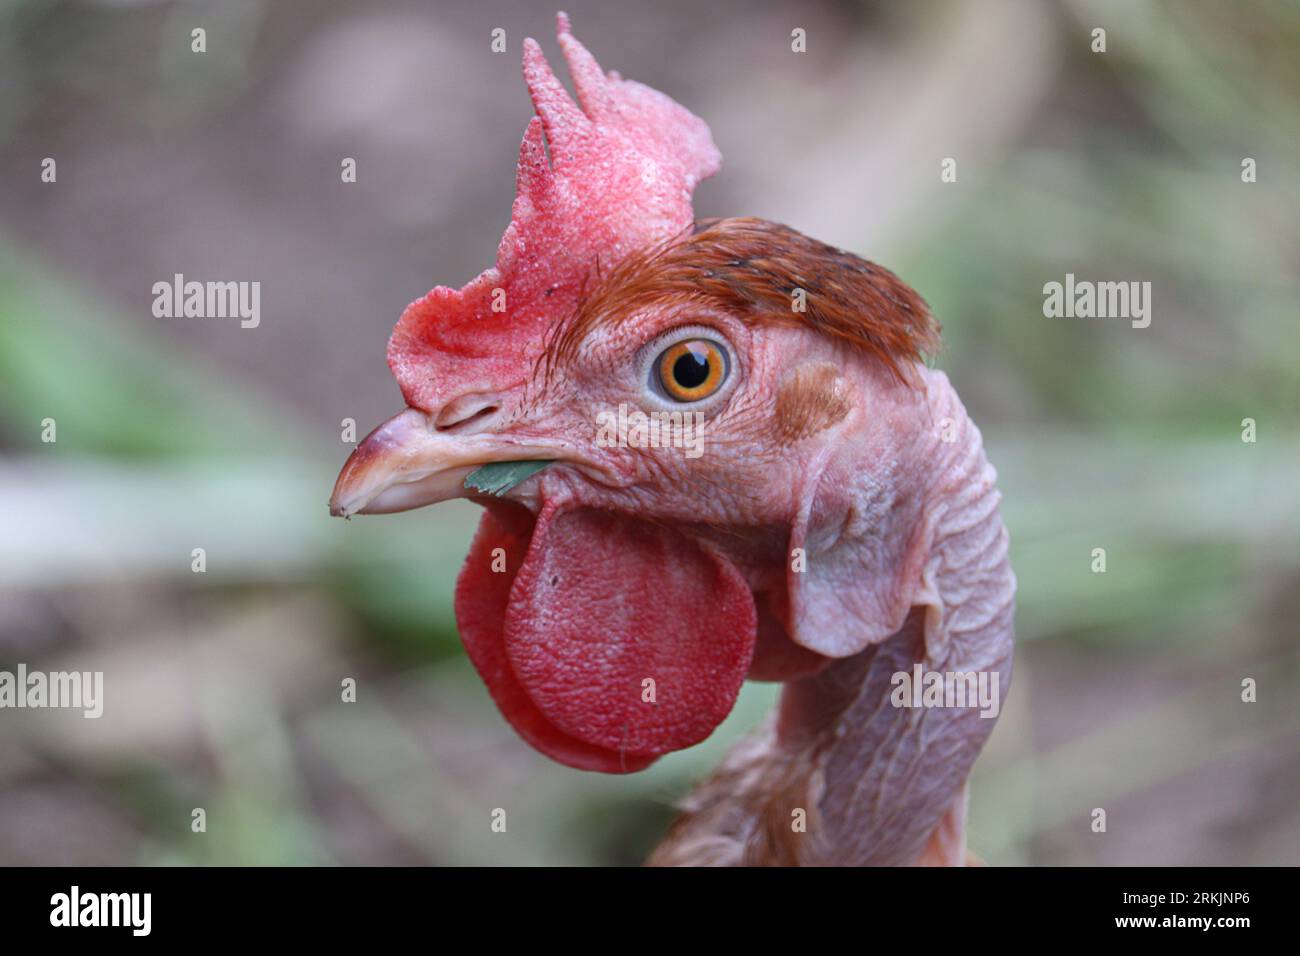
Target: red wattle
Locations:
point(606, 641)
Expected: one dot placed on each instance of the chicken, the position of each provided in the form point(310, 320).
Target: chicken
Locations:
point(837, 529)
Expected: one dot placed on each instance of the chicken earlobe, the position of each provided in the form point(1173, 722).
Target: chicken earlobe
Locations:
point(871, 782)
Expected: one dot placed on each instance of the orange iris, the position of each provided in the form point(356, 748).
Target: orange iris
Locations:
point(692, 370)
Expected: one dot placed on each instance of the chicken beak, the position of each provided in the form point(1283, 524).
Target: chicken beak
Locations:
point(407, 463)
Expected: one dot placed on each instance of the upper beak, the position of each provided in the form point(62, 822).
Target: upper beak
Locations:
point(407, 463)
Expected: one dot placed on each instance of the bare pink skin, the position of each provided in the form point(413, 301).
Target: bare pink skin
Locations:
point(892, 517)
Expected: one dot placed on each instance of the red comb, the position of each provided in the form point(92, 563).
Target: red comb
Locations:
point(622, 166)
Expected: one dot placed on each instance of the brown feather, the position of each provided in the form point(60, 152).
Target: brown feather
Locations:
point(753, 268)
point(810, 399)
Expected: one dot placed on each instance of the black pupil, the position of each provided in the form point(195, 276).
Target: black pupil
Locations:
point(691, 370)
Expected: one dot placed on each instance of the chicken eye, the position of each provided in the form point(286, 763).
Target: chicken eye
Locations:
point(691, 370)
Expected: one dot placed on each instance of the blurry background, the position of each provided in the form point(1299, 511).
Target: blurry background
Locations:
point(223, 687)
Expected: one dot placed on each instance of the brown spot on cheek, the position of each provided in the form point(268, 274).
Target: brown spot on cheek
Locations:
point(812, 398)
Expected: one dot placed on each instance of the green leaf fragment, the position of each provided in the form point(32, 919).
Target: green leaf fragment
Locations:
point(498, 477)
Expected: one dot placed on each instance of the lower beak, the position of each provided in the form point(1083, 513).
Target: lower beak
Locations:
point(407, 463)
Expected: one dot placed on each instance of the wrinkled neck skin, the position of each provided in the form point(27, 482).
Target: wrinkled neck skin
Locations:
point(878, 784)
